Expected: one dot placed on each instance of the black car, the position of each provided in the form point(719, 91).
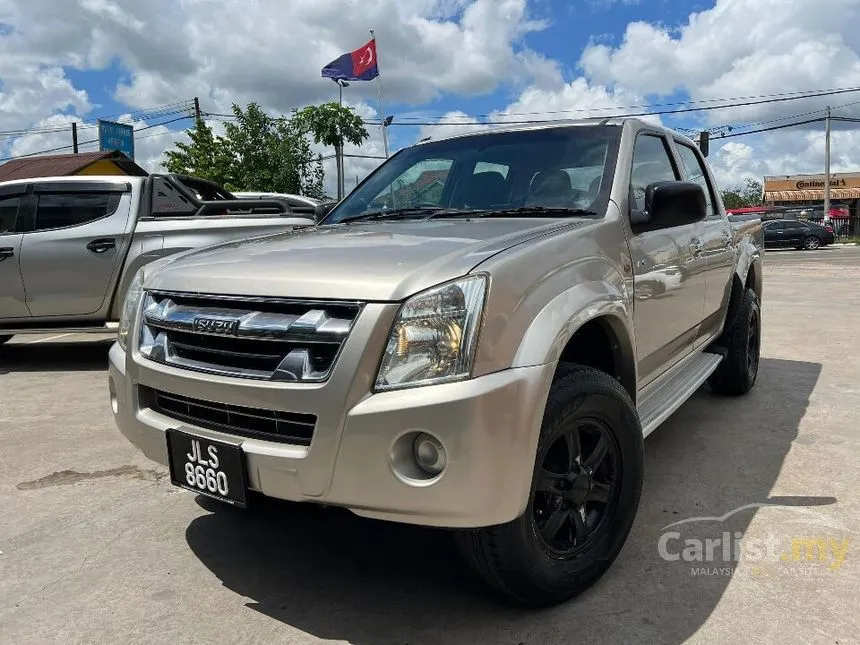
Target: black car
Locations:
point(796, 234)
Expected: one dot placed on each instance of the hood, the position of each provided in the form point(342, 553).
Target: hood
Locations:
point(372, 261)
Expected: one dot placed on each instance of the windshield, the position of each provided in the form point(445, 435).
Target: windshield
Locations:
point(555, 168)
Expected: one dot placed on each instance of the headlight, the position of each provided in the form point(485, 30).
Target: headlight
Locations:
point(129, 308)
point(434, 337)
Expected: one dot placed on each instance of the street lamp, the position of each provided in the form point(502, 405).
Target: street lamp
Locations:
point(340, 85)
point(385, 123)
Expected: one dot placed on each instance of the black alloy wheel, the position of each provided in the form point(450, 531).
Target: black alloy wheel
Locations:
point(576, 487)
point(585, 491)
point(741, 344)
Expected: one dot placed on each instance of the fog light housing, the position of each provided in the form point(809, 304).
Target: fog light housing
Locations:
point(429, 454)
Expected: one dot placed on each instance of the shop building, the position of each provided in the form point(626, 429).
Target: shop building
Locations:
point(802, 196)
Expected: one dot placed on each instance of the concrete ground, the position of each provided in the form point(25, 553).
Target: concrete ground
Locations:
point(98, 547)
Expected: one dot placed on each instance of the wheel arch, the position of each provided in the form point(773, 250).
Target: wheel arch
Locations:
point(589, 324)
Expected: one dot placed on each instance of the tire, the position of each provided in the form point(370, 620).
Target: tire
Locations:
point(811, 243)
point(517, 558)
point(738, 371)
point(5, 339)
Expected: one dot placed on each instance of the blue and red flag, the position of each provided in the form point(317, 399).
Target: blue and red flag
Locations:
point(359, 65)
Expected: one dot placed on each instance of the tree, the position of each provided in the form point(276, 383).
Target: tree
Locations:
point(206, 156)
point(256, 153)
point(750, 194)
point(332, 124)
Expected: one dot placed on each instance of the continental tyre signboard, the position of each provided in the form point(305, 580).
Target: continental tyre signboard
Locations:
point(785, 188)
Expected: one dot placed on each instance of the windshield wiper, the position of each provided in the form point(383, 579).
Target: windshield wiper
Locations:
point(537, 211)
point(392, 213)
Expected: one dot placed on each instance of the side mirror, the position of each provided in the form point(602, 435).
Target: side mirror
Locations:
point(670, 203)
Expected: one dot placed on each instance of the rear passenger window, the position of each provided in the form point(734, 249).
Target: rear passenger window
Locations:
point(61, 210)
point(651, 162)
point(695, 172)
point(8, 213)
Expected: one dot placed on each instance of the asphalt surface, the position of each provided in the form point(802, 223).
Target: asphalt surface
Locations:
point(98, 547)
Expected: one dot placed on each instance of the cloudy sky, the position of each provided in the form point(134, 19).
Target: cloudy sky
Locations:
point(443, 63)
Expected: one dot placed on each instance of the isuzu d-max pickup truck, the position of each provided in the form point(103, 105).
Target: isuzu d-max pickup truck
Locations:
point(478, 337)
point(69, 246)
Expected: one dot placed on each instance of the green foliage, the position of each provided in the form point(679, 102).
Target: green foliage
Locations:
point(750, 194)
point(256, 153)
point(332, 124)
point(204, 157)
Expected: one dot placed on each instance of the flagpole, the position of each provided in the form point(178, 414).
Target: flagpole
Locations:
point(379, 95)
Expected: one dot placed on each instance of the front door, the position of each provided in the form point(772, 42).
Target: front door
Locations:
point(77, 243)
point(12, 301)
point(669, 280)
point(718, 249)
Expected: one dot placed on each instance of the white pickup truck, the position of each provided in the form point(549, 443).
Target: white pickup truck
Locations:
point(69, 246)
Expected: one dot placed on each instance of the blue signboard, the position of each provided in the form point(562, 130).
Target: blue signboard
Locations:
point(116, 136)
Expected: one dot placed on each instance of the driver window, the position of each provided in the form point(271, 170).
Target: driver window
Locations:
point(421, 185)
point(651, 162)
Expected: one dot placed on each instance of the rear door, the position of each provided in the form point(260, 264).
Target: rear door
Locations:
point(793, 233)
point(74, 245)
point(717, 243)
point(12, 300)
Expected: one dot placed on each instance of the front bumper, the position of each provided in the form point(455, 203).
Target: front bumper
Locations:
point(488, 425)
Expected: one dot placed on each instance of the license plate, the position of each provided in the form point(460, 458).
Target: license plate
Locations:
point(212, 468)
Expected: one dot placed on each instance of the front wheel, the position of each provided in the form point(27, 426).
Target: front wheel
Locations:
point(738, 371)
point(5, 339)
point(584, 496)
point(811, 243)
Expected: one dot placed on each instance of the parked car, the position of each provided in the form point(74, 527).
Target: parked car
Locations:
point(797, 234)
point(483, 363)
point(69, 246)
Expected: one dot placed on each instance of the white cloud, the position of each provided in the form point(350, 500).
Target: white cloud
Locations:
point(272, 51)
point(739, 48)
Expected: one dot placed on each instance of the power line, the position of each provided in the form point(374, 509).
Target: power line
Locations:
point(154, 112)
point(770, 129)
point(84, 143)
point(736, 102)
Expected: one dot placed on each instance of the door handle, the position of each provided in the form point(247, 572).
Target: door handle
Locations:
point(100, 246)
point(6, 252)
point(696, 246)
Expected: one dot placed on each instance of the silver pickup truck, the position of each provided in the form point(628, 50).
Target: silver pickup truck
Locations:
point(478, 337)
point(69, 246)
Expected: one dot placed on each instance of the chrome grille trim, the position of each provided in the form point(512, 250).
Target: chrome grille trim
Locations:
point(259, 338)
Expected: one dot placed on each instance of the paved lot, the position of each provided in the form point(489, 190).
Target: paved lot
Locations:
point(98, 547)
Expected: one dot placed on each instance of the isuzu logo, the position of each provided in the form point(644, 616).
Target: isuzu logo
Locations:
point(217, 326)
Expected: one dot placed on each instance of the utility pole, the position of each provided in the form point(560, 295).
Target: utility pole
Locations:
point(196, 108)
point(827, 166)
point(338, 150)
point(75, 137)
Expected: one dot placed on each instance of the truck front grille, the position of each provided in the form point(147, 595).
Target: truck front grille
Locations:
point(259, 338)
point(271, 425)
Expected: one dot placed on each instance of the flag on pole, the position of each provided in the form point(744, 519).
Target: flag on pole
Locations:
point(359, 65)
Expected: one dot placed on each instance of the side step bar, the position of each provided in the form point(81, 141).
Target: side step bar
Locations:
point(660, 399)
point(90, 329)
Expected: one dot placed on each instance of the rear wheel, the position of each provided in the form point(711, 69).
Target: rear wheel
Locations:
point(4, 339)
point(585, 493)
point(811, 243)
point(738, 371)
